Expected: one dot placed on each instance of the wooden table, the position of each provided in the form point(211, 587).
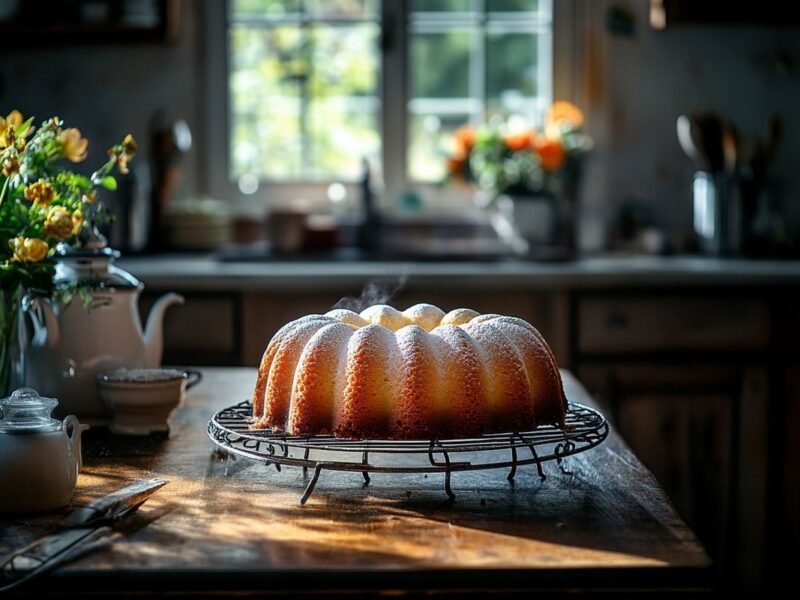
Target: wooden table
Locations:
point(606, 527)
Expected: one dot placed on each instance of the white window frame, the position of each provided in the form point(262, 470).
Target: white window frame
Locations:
point(214, 145)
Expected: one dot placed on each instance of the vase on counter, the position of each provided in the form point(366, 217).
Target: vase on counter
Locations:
point(535, 224)
point(10, 343)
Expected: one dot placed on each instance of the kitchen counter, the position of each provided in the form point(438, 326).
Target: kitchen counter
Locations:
point(206, 273)
point(237, 526)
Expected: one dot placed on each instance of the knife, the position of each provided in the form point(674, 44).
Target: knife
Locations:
point(83, 529)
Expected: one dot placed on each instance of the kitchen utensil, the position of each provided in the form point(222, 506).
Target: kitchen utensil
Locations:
point(689, 139)
point(171, 142)
point(84, 526)
point(710, 133)
point(141, 400)
point(40, 457)
point(73, 341)
point(729, 149)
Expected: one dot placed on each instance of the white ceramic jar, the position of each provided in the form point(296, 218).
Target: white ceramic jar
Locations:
point(40, 457)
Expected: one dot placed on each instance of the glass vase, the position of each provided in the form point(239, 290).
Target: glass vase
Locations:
point(10, 342)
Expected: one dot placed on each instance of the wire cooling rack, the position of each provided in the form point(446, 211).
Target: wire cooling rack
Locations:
point(230, 429)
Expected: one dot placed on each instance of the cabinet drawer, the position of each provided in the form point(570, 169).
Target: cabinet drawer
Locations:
point(640, 324)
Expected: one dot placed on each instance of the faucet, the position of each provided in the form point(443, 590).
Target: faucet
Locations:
point(369, 230)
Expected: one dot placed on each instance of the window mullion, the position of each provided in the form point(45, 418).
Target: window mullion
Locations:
point(478, 70)
point(394, 95)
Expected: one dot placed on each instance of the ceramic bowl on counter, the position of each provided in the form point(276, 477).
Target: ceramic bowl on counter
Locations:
point(141, 400)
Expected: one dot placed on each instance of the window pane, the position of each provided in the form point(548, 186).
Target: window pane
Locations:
point(440, 64)
point(304, 99)
point(442, 5)
point(343, 102)
point(491, 60)
point(343, 8)
point(264, 8)
point(512, 70)
point(512, 5)
point(431, 142)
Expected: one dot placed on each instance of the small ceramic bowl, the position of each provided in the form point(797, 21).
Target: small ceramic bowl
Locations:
point(141, 400)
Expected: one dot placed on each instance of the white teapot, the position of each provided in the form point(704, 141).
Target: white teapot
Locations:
point(71, 343)
point(40, 457)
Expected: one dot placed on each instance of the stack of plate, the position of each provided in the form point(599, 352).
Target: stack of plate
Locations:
point(199, 224)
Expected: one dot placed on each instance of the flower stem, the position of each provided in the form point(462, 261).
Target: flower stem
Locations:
point(4, 190)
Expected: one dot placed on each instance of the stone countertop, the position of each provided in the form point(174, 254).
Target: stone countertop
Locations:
point(206, 273)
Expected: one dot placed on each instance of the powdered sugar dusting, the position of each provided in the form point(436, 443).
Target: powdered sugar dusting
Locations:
point(419, 373)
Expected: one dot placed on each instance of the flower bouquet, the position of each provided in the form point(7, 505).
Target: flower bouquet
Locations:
point(44, 203)
point(513, 157)
point(527, 177)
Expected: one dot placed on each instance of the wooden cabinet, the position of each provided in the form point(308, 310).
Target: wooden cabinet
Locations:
point(653, 322)
point(205, 330)
point(684, 377)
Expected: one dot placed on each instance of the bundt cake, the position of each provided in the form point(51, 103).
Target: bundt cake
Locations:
point(416, 374)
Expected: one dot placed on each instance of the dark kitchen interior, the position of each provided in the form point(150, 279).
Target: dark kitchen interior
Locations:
point(620, 174)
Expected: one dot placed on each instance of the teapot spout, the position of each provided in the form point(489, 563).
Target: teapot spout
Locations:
point(154, 332)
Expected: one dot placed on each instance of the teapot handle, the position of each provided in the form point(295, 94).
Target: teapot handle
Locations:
point(73, 428)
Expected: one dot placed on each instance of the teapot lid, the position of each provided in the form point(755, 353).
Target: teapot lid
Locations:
point(26, 411)
point(92, 263)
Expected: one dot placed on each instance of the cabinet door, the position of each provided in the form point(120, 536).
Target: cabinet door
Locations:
point(700, 430)
point(202, 331)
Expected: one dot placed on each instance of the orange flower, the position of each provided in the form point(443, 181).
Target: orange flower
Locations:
point(520, 140)
point(465, 140)
point(564, 114)
point(455, 166)
point(551, 153)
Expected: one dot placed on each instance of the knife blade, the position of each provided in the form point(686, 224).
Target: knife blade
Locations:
point(115, 505)
point(84, 527)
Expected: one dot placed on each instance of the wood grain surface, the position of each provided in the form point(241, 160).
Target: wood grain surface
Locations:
point(224, 525)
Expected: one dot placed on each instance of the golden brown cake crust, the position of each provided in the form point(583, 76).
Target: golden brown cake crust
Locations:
point(416, 374)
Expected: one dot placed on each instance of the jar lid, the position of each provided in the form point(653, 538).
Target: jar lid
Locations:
point(26, 411)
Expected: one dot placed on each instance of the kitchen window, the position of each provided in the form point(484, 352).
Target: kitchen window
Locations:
point(313, 86)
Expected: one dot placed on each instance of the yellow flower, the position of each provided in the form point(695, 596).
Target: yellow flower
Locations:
point(41, 193)
point(77, 221)
point(73, 145)
point(58, 223)
point(7, 127)
point(563, 114)
point(129, 146)
point(28, 250)
point(10, 166)
point(123, 153)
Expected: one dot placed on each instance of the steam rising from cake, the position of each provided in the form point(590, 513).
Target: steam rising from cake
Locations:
point(376, 291)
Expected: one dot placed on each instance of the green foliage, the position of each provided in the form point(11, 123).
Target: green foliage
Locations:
point(109, 182)
point(43, 202)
